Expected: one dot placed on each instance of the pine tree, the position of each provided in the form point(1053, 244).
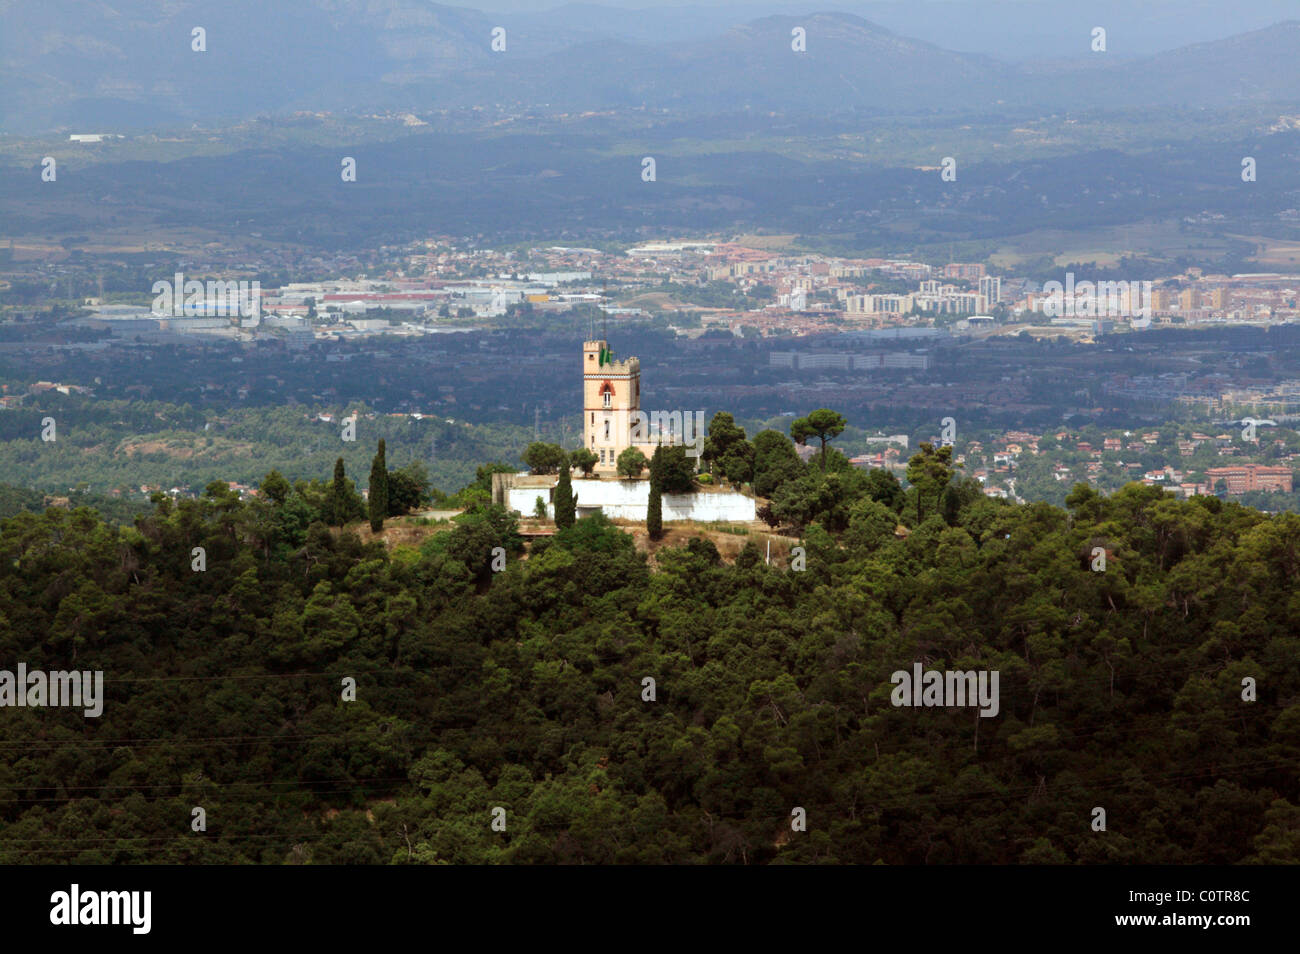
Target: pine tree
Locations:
point(378, 489)
point(565, 509)
point(338, 500)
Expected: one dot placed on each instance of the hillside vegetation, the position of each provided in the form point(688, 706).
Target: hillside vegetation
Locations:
point(524, 689)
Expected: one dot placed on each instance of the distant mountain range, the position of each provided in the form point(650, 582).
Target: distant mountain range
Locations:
point(102, 66)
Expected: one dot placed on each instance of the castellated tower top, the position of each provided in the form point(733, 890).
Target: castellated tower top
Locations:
point(598, 359)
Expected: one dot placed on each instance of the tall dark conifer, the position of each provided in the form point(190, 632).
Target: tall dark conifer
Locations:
point(654, 516)
point(378, 489)
point(565, 509)
point(339, 503)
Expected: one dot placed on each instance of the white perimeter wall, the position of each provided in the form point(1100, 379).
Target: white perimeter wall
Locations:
point(629, 499)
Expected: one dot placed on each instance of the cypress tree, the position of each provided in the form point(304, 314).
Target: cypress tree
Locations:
point(378, 489)
point(338, 501)
point(565, 509)
point(654, 515)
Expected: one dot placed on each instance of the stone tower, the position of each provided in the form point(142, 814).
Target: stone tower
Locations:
point(611, 401)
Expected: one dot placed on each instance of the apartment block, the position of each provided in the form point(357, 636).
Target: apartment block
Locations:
point(1247, 477)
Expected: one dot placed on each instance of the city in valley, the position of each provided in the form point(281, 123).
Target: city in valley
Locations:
point(1185, 384)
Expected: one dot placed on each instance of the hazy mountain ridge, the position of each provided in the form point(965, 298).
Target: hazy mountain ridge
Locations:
point(124, 64)
point(1259, 66)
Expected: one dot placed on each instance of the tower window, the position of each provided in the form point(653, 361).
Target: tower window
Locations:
point(607, 430)
point(608, 398)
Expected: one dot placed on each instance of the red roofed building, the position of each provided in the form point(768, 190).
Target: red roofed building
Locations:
point(1247, 477)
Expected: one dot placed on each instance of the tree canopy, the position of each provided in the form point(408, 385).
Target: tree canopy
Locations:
point(674, 711)
point(823, 424)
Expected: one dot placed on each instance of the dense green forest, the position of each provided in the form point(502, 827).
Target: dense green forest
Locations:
point(122, 445)
point(524, 689)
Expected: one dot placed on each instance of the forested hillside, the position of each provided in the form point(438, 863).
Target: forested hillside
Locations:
point(122, 445)
point(523, 689)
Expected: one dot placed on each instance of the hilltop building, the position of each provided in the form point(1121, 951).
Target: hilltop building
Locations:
point(612, 422)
